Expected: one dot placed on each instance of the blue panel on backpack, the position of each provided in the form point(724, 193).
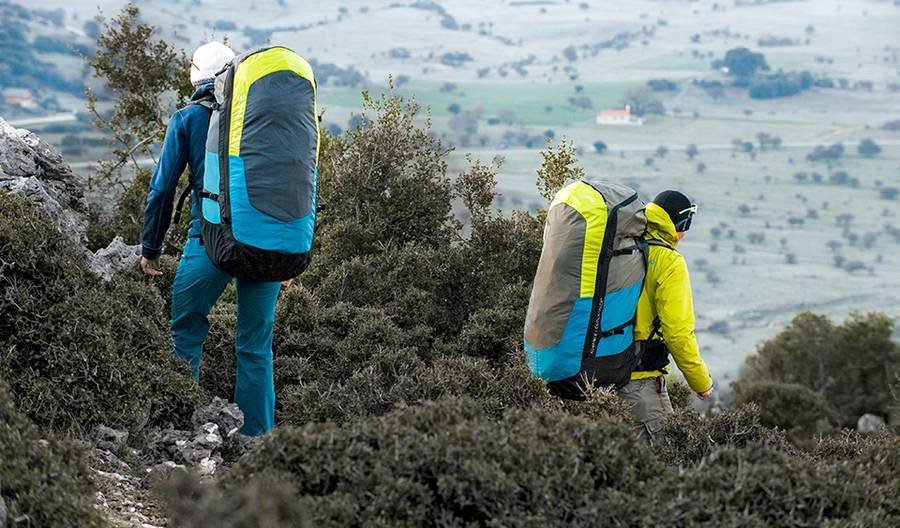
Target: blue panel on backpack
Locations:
point(209, 208)
point(252, 227)
point(615, 344)
point(618, 308)
point(563, 359)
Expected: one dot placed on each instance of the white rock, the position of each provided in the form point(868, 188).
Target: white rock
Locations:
point(116, 256)
point(29, 166)
point(869, 423)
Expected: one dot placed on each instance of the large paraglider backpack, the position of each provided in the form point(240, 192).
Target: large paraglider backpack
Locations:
point(258, 201)
point(580, 320)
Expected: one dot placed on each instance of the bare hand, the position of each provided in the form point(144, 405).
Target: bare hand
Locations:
point(707, 394)
point(286, 284)
point(150, 267)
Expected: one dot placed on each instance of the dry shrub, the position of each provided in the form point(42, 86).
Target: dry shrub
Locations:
point(43, 482)
point(84, 352)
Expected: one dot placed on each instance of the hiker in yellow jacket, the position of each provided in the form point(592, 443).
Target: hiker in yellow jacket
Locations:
point(665, 318)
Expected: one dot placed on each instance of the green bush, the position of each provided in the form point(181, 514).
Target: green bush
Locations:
point(43, 482)
point(342, 362)
point(448, 463)
point(218, 366)
point(265, 500)
point(382, 185)
point(688, 437)
point(84, 352)
point(788, 406)
point(853, 365)
point(761, 485)
point(680, 393)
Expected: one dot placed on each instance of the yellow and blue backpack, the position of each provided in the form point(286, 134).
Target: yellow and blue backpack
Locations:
point(258, 202)
point(580, 321)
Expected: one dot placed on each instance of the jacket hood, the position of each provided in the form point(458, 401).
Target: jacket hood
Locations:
point(659, 225)
point(202, 91)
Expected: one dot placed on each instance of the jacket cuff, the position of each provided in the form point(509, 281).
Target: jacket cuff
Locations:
point(150, 253)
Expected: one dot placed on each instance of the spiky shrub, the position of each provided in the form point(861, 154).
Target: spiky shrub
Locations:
point(43, 482)
point(342, 362)
point(852, 365)
point(83, 352)
point(449, 463)
point(688, 436)
point(265, 500)
point(789, 406)
point(759, 484)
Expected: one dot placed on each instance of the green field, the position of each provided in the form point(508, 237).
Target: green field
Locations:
point(529, 101)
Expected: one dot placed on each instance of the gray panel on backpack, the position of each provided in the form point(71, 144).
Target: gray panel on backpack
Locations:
point(557, 283)
point(212, 137)
point(278, 145)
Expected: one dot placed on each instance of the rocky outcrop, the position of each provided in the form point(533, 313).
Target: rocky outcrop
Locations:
point(31, 167)
point(125, 491)
point(114, 257)
point(869, 423)
point(215, 438)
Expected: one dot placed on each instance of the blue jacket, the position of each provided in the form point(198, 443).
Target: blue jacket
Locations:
point(185, 144)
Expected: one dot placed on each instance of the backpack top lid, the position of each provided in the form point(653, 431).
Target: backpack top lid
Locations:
point(236, 79)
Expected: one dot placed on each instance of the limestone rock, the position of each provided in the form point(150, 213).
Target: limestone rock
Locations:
point(110, 439)
point(208, 437)
point(869, 423)
point(32, 168)
point(227, 416)
point(116, 256)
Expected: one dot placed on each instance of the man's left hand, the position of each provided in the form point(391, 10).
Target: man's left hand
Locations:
point(707, 394)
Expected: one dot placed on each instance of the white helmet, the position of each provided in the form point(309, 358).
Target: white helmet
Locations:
point(208, 60)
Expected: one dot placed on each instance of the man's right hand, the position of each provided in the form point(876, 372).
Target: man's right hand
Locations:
point(707, 394)
point(150, 267)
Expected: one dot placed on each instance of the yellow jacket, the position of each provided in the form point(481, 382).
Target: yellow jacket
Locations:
point(667, 295)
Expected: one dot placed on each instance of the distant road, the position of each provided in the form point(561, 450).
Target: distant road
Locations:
point(31, 121)
point(148, 162)
point(701, 147)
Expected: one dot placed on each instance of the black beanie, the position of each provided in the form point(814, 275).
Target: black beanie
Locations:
point(679, 207)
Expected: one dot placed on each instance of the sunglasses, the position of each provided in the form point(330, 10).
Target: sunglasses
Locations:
point(686, 223)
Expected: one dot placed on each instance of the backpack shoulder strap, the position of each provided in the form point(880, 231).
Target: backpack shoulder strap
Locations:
point(660, 243)
point(207, 101)
point(655, 327)
point(184, 195)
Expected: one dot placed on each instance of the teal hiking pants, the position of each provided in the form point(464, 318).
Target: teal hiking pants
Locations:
point(198, 285)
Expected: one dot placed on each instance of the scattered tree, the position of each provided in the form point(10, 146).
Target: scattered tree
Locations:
point(643, 103)
point(868, 148)
point(691, 151)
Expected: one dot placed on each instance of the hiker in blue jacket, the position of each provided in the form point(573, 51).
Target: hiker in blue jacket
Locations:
point(198, 283)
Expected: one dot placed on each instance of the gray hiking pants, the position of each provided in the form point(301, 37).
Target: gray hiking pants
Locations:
point(650, 405)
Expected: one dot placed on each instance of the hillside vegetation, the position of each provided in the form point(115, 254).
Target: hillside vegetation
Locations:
point(403, 397)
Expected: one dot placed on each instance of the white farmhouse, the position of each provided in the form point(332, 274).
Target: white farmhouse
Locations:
point(618, 117)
